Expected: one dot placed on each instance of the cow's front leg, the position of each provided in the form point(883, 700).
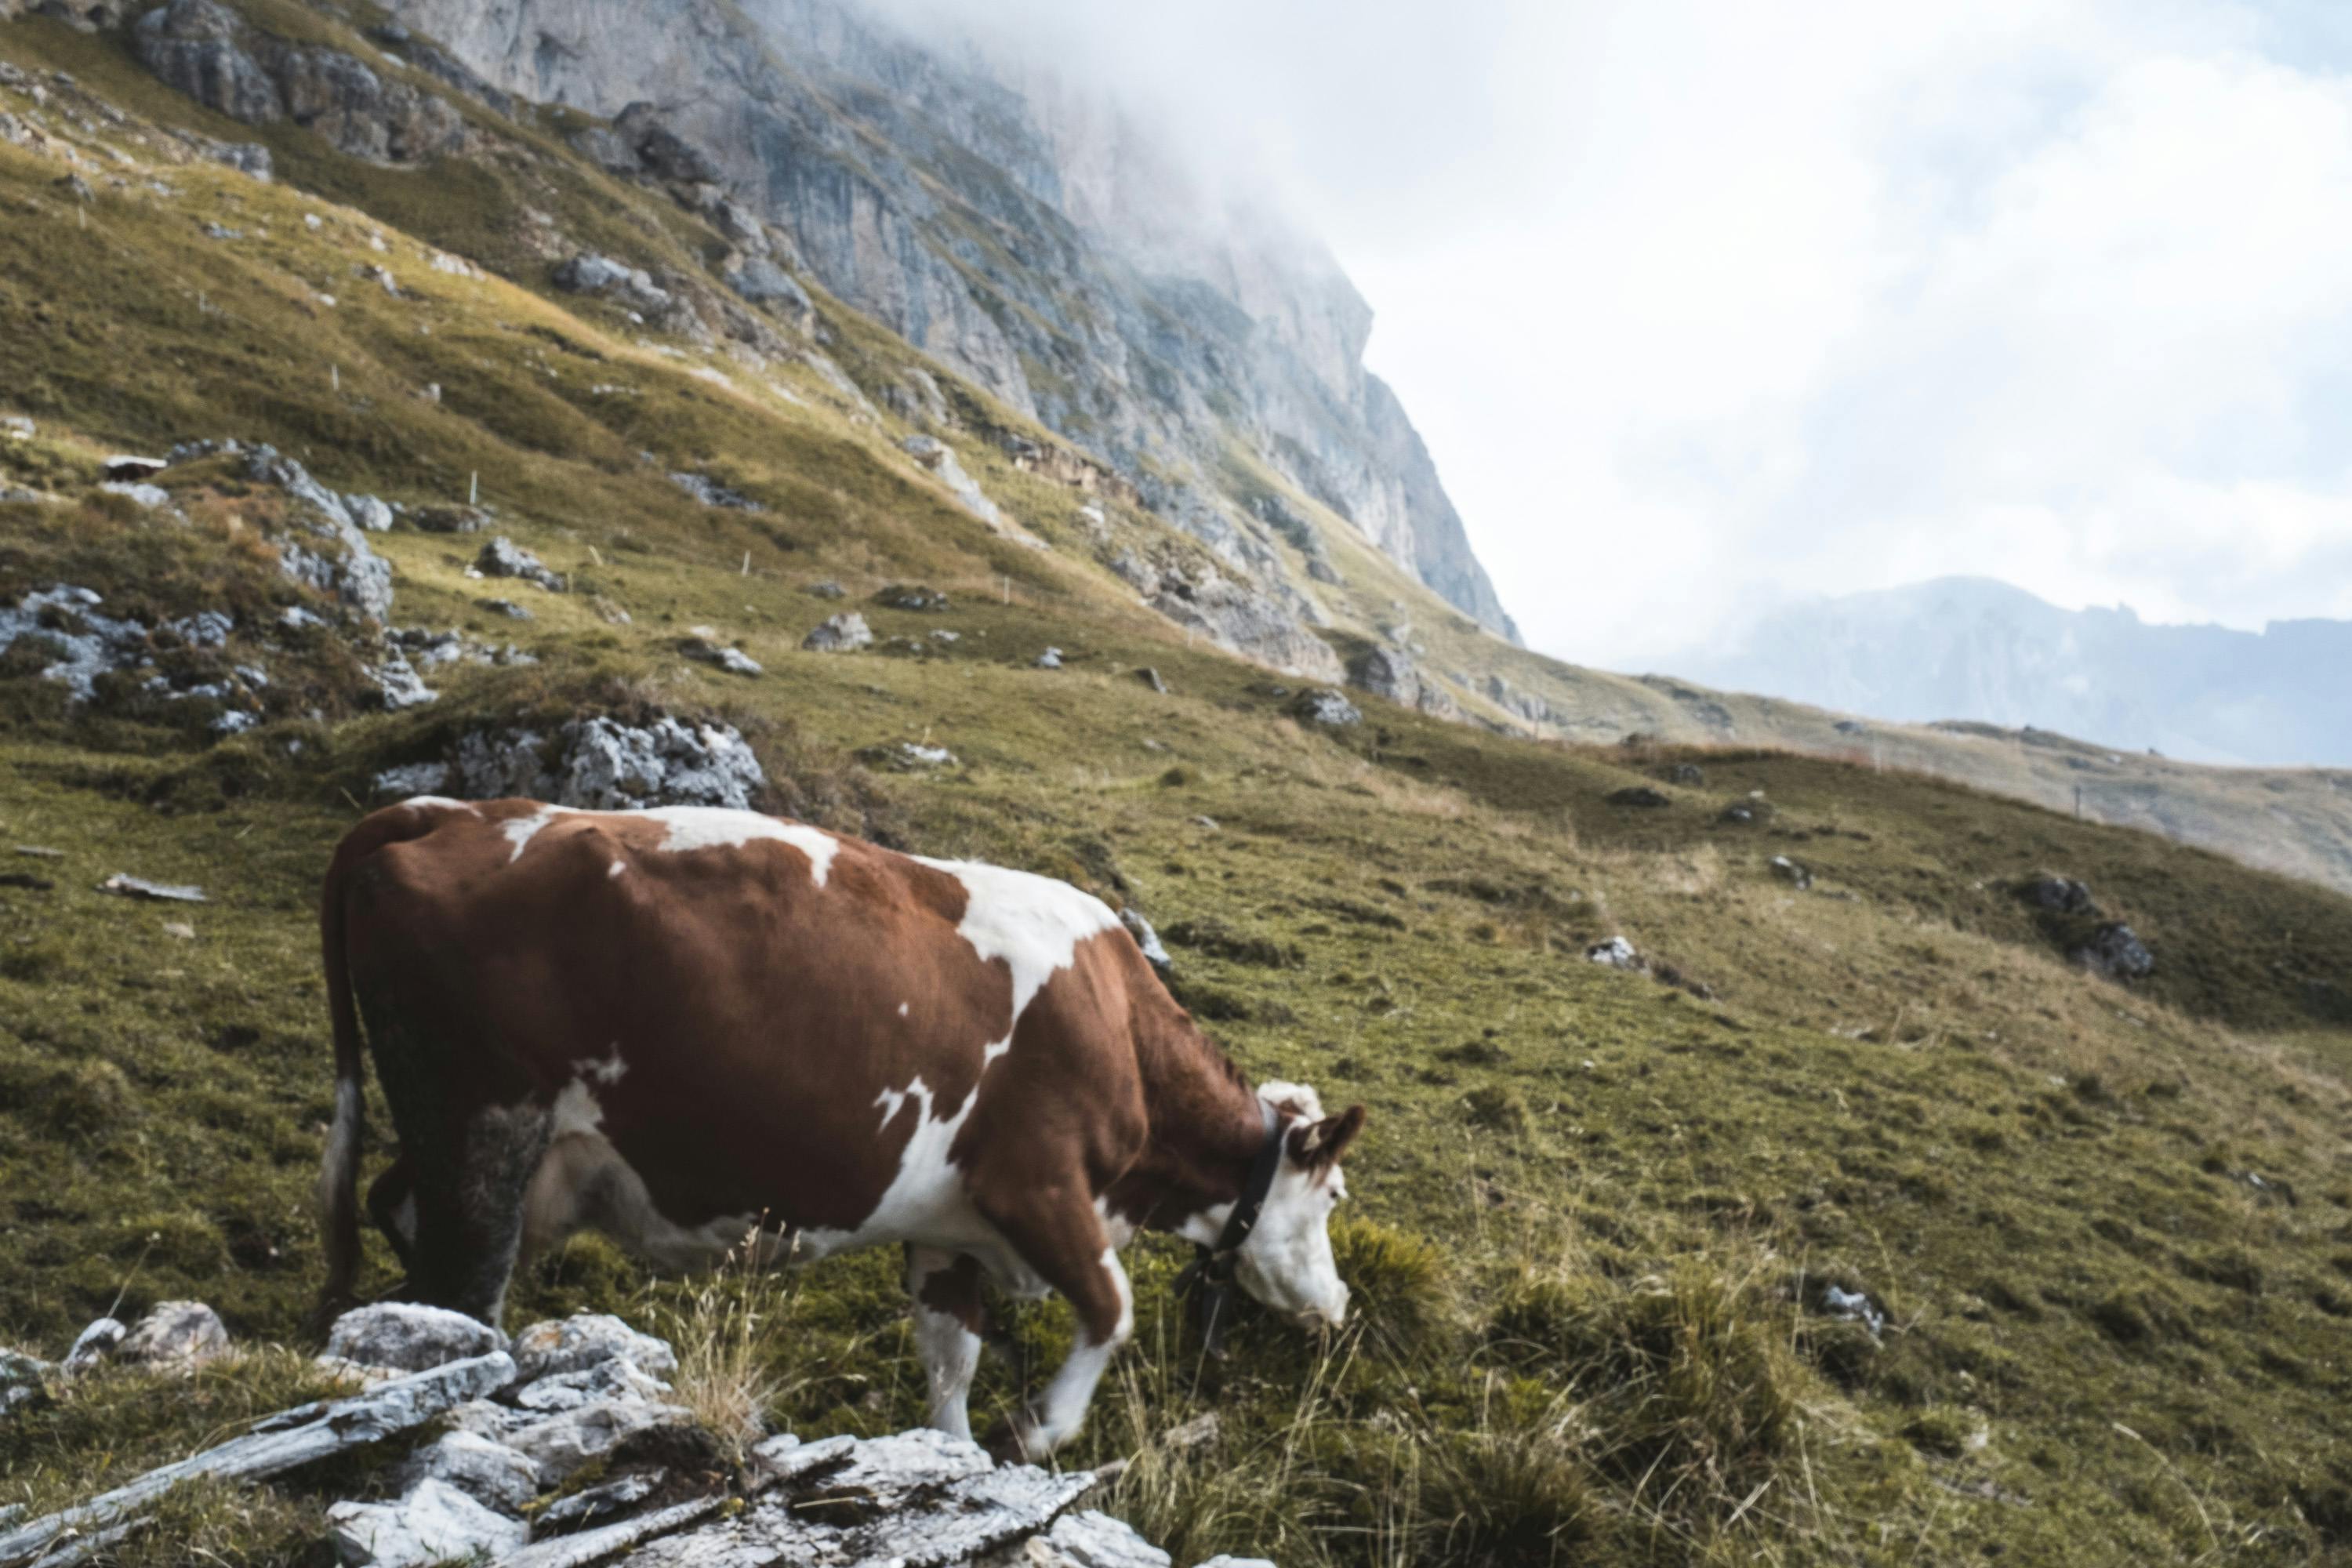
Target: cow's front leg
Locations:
point(1065, 1244)
point(949, 1317)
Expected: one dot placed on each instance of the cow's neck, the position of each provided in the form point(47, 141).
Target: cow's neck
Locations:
point(1206, 1128)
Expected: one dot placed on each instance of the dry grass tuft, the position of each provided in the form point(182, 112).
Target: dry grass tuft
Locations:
point(728, 1333)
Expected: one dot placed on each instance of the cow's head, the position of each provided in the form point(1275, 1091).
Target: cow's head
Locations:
point(1287, 1261)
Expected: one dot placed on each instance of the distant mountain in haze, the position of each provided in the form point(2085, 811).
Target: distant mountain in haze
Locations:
point(1970, 647)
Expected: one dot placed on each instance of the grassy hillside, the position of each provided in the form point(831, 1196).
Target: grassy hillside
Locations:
point(1595, 1211)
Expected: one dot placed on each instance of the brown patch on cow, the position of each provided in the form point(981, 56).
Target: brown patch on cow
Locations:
point(956, 1292)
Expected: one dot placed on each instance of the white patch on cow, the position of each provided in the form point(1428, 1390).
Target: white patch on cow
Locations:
point(438, 803)
point(582, 1180)
point(717, 827)
point(1118, 1228)
point(1034, 924)
point(615, 869)
point(1061, 1410)
point(949, 1351)
point(926, 1200)
point(1295, 1098)
point(691, 827)
point(608, 1071)
point(521, 830)
point(1287, 1262)
point(902, 1009)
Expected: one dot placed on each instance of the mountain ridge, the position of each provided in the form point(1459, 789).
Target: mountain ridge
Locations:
point(1978, 649)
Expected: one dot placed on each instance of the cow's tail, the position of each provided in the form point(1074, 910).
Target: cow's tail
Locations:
point(339, 1172)
point(338, 1206)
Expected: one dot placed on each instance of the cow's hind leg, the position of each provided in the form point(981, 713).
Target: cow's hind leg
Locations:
point(391, 1203)
point(1065, 1245)
point(469, 1208)
point(949, 1315)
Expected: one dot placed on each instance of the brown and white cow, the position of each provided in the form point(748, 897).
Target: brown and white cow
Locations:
point(681, 1024)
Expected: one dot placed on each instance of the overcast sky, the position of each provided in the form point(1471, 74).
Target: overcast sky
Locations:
point(1700, 302)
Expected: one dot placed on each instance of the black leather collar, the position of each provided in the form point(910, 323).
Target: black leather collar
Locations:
point(1209, 1279)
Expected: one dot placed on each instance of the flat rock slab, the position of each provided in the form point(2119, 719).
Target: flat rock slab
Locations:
point(434, 1523)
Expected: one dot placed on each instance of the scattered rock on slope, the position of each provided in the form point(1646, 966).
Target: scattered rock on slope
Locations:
point(844, 633)
point(595, 764)
point(2057, 895)
point(1321, 705)
point(2117, 951)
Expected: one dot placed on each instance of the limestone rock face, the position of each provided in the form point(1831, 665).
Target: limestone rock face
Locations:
point(205, 50)
point(1128, 307)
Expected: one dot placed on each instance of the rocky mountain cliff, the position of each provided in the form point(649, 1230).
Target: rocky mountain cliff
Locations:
point(1030, 237)
point(1970, 648)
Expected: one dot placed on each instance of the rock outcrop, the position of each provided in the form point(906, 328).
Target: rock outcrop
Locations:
point(207, 51)
point(596, 763)
point(591, 1391)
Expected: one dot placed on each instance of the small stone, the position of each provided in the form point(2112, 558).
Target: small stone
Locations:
point(1146, 939)
point(1615, 953)
point(1050, 660)
point(828, 590)
point(132, 886)
point(734, 660)
point(906, 596)
point(907, 756)
point(179, 930)
point(1788, 872)
point(505, 607)
point(1322, 705)
point(844, 633)
point(502, 557)
point(93, 1345)
point(409, 1336)
point(1639, 797)
point(24, 1382)
point(2117, 951)
point(581, 1340)
point(178, 1334)
point(121, 466)
point(1150, 678)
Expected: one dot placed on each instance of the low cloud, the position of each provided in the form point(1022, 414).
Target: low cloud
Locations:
point(1701, 303)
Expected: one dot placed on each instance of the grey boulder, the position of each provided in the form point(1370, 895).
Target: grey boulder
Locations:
point(181, 1335)
point(409, 1336)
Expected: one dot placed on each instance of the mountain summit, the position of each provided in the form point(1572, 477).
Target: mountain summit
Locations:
point(1035, 240)
point(1973, 648)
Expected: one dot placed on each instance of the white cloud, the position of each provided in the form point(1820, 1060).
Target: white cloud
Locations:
point(2049, 293)
point(1698, 302)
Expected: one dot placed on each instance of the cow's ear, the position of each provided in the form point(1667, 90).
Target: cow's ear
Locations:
point(1321, 1144)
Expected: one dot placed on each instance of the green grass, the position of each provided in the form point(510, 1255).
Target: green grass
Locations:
point(1593, 1211)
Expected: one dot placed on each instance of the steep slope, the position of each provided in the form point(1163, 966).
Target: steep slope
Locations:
point(1596, 1210)
point(1973, 650)
point(1032, 240)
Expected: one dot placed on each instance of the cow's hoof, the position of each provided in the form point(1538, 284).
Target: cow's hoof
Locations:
point(1009, 1443)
